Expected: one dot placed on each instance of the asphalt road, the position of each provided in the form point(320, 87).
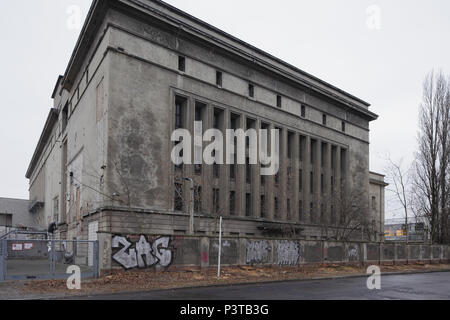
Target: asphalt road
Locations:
point(422, 286)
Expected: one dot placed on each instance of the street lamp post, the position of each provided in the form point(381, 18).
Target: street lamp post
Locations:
point(191, 206)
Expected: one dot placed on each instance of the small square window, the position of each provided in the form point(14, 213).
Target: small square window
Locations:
point(181, 63)
point(251, 91)
point(279, 101)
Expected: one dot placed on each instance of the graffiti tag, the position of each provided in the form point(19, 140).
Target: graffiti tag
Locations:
point(144, 254)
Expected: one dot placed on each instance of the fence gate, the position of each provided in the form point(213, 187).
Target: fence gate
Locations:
point(47, 259)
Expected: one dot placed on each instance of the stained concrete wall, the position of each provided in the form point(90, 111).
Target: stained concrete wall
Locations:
point(203, 252)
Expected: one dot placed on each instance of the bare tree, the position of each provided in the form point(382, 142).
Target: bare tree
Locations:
point(399, 178)
point(431, 166)
point(350, 218)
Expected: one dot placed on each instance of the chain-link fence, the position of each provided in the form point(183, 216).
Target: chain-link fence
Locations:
point(46, 259)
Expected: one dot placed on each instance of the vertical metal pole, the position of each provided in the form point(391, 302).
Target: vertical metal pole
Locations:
point(220, 248)
point(95, 259)
point(191, 206)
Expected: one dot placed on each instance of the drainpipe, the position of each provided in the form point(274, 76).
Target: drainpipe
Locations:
point(191, 207)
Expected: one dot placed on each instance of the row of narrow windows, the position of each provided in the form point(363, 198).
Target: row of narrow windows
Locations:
point(328, 152)
point(251, 92)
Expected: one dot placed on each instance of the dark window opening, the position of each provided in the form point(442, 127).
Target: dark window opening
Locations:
point(181, 63)
point(248, 204)
point(232, 203)
point(303, 112)
point(324, 119)
point(251, 91)
point(219, 78)
point(279, 101)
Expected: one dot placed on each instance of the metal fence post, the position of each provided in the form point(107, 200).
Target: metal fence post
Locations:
point(3, 253)
point(95, 259)
point(53, 258)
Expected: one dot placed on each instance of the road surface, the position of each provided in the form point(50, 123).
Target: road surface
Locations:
point(422, 286)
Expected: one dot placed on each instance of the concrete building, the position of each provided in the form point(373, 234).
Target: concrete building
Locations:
point(141, 69)
point(15, 213)
point(377, 202)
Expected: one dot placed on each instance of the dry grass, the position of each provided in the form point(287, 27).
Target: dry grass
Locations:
point(146, 280)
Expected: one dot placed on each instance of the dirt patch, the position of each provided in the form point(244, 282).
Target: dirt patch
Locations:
point(134, 281)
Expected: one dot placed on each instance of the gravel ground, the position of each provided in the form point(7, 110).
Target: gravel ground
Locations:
point(135, 281)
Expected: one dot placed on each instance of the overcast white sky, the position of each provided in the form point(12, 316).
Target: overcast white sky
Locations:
point(337, 41)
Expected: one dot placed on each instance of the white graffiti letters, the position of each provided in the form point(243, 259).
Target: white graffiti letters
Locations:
point(144, 255)
point(127, 260)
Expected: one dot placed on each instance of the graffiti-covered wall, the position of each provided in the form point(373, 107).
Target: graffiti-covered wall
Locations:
point(155, 251)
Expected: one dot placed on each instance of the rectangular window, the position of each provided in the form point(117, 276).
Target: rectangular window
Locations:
point(198, 199)
point(251, 91)
point(216, 200)
point(248, 171)
point(56, 209)
point(276, 207)
point(279, 101)
point(288, 206)
point(65, 117)
point(181, 63)
point(219, 78)
point(343, 126)
point(300, 210)
point(232, 203)
point(180, 112)
point(311, 182)
point(248, 204)
point(178, 197)
point(263, 206)
point(322, 184)
point(300, 180)
point(303, 111)
point(324, 119)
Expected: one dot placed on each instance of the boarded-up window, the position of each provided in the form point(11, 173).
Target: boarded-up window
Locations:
point(100, 100)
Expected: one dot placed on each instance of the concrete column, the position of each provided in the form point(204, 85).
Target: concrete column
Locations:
point(294, 187)
point(337, 185)
point(256, 181)
point(270, 183)
point(224, 170)
point(207, 171)
point(326, 197)
point(306, 187)
point(317, 174)
point(282, 187)
point(240, 177)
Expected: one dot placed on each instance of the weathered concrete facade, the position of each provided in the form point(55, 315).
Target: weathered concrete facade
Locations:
point(140, 70)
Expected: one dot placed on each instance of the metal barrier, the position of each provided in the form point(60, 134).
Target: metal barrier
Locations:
point(47, 259)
